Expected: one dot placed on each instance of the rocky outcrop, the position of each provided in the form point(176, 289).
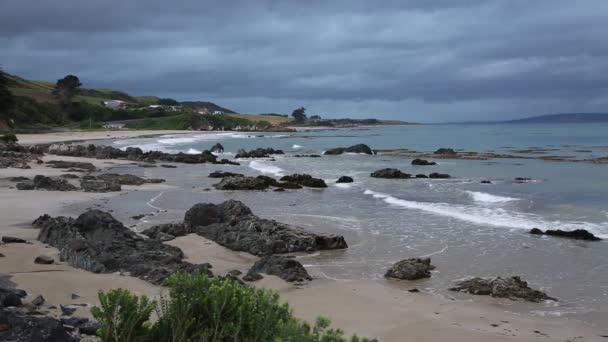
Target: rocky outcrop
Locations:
point(359, 148)
point(222, 174)
point(19, 326)
point(128, 179)
point(304, 180)
point(98, 243)
point(436, 175)
point(233, 225)
point(411, 269)
point(513, 288)
point(284, 267)
point(390, 173)
point(217, 148)
point(41, 182)
point(243, 183)
point(12, 239)
point(422, 162)
point(445, 152)
point(578, 234)
point(94, 184)
point(345, 179)
point(62, 164)
point(257, 153)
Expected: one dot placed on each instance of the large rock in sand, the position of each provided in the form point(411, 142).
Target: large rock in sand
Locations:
point(411, 269)
point(513, 288)
point(284, 267)
point(389, 173)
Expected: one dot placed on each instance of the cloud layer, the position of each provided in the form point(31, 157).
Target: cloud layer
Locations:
point(417, 60)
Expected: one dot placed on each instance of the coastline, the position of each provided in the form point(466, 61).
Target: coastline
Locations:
point(363, 307)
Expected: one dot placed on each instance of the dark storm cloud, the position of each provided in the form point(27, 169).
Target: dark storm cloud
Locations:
point(416, 60)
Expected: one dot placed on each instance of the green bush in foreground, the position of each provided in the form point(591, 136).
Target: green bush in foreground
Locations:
point(199, 308)
point(9, 138)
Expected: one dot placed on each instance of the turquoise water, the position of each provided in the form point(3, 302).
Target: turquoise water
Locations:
point(468, 228)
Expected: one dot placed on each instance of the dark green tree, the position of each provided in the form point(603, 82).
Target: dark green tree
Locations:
point(168, 102)
point(7, 100)
point(65, 90)
point(299, 114)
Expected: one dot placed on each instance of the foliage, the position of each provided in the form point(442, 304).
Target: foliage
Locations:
point(7, 100)
point(124, 316)
point(65, 90)
point(168, 102)
point(9, 138)
point(299, 114)
point(199, 308)
point(180, 121)
point(29, 112)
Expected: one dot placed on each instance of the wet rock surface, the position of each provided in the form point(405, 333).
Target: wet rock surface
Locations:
point(411, 269)
point(577, 234)
point(222, 174)
point(422, 162)
point(257, 153)
point(345, 179)
point(62, 164)
point(359, 148)
point(304, 180)
point(94, 184)
point(512, 288)
point(284, 267)
point(97, 242)
point(390, 173)
point(233, 225)
point(41, 182)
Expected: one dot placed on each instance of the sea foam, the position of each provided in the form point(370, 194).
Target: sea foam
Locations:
point(483, 197)
point(265, 167)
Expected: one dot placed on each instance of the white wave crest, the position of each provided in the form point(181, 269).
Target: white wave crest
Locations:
point(484, 197)
point(193, 151)
point(491, 216)
point(265, 167)
point(295, 146)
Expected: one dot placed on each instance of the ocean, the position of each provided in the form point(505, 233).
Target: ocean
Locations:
point(466, 227)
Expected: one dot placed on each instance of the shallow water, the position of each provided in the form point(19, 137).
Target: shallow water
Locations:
point(468, 228)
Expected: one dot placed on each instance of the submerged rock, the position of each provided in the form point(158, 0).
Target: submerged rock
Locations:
point(513, 288)
point(233, 225)
point(286, 268)
point(222, 174)
point(244, 183)
point(359, 148)
point(41, 182)
point(97, 242)
point(411, 269)
point(445, 151)
point(422, 162)
point(258, 153)
point(439, 175)
point(389, 173)
point(578, 234)
point(304, 180)
point(345, 179)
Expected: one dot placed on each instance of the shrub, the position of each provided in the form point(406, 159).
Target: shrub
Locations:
point(199, 308)
point(9, 138)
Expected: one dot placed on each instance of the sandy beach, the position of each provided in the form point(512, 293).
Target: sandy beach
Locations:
point(373, 309)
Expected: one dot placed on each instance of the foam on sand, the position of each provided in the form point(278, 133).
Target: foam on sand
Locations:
point(483, 197)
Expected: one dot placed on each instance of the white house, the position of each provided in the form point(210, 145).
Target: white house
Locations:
point(115, 104)
point(218, 112)
point(110, 125)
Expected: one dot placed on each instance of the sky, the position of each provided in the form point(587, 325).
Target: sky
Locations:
point(411, 60)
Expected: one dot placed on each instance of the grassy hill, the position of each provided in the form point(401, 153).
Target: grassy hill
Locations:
point(272, 119)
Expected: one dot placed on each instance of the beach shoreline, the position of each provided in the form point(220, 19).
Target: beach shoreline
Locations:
point(364, 307)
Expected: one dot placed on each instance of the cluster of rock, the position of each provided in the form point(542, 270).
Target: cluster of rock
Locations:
point(578, 234)
point(233, 225)
point(422, 162)
point(512, 288)
point(359, 148)
point(398, 174)
point(41, 182)
point(97, 242)
point(445, 152)
point(411, 269)
point(131, 153)
point(237, 181)
point(62, 164)
point(15, 156)
point(106, 182)
point(257, 153)
point(285, 267)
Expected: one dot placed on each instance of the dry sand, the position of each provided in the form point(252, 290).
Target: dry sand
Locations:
point(369, 308)
point(45, 138)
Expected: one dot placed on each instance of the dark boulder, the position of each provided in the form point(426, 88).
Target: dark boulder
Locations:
point(18, 179)
point(389, 173)
point(94, 184)
point(286, 268)
point(41, 182)
point(44, 260)
point(11, 239)
point(98, 243)
point(486, 182)
point(21, 327)
point(436, 175)
point(359, 148)
point(242, 183)
point(127, 179)
point(222, 174)
point(411, 269)
point(420, 175)
point(422, 162)
point(257, 153)
point(167, 166)
point(217, 148)
point(578, 234)
point(233, 225)
point(345, 179)
point(445, 152)
point(513, 288)
point(304, 180)
point(62, 164)
point(69, 176)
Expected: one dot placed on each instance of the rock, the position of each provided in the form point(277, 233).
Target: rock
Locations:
point(18, 179)
point(243, 183)
point(233, 225)
point(359, 148)
point(345, 179)
point(257, 153)
point(422, 162)
point(217, 148)
point(95, 184)
point(286, 268)
point(73, 321)
point(486, 182)
point(41, 182)
point(44, 260)
point(147, 165)
point(38, 301)
point(98, 243)
point(62, 164)
point(307, 156)
point(578, 234)
point(25, 328)
point(67, 310)
point(222, 174)
point(11, 239)
point(74, 296)
point(304, 180)
point(413, 290)
point(127, 179)
point(252, 276)
point(69, 176)
point(513, 288)
point(167, 166)
point(389, 173)
point(439, 175)
point(445, 152)
point(411, 269)
point(522, 179)
point(420, 175)
point(279, 190)
point(11, 297)
point(90, 328)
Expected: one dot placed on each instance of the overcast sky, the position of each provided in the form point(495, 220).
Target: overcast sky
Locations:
point(417, 60)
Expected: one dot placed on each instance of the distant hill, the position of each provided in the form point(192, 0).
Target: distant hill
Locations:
point(565, 118)
point(200, 105)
